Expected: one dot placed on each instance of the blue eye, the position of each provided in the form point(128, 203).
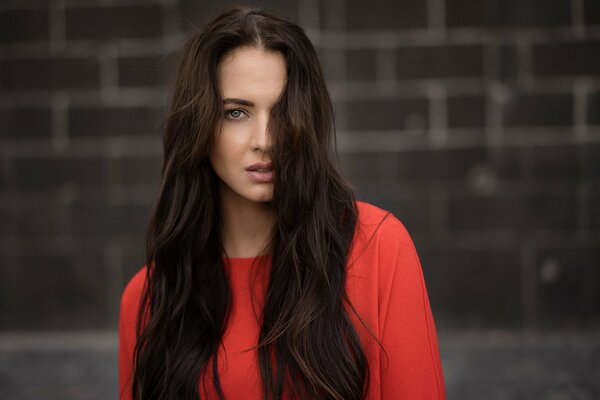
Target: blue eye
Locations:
point(234, 113)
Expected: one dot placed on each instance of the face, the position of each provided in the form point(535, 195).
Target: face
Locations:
point(250, 82)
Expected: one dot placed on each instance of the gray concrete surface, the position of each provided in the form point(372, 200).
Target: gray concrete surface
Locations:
point(477, 365)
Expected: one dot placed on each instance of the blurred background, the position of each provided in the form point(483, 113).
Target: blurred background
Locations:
point(477, 122)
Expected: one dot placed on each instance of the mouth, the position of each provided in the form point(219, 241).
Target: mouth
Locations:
point(261, 173)
point(261, 167)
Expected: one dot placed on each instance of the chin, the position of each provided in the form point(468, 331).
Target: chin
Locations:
point(266, 196)
point(264, 199)
point(252, 195)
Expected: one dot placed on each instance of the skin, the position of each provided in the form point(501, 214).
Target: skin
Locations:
point(258, 78)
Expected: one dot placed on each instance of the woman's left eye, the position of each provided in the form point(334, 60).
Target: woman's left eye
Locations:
point(234, 113)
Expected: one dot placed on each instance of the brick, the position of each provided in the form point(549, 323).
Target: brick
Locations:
point(388, 190)
point(513, 211)
point(6, 173)
point(66, 291)
point(439, 62)
point(49, 73)
point(388, 114)
point(361, 166)
point(133, 259)
point(145, 71)
point(31, 25)
point(507, 63)
point(332, 62)
point(112, 121)
point(593, 108)
point(414, 166)
point(508, 162)
point(196, 13)
point(109, 220)
point(508, 13)
point(591, 12)
point(329, 19)
point(386, 14)
point(414, 213)
point(466, 111)
point(25, 123)
point(483, 213)
point(591, 153)
point(594, 201)
point(568, 281)
point(361, 64)
point(140, 170)
point(538, 110)
point(465, 13)
point(556, 211)
point(409, 202)
point(557, 161)
point(566, 58)
point(26, 219)
point(489, 281)
point(48, 172)
point(372, 166)
point(456, 163)
point(109, 23)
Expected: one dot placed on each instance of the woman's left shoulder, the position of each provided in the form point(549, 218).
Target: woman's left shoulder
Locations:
point(382, 225)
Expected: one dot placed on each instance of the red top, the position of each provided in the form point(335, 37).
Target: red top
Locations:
point(386, 287)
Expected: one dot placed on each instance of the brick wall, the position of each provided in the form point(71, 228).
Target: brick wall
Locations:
point(475, 122)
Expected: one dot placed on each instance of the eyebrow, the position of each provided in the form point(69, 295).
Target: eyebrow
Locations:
point(238, 101)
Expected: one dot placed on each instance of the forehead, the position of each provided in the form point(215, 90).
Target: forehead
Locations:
point(252, 74)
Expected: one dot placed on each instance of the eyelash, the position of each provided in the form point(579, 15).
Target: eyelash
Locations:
point(228, 113)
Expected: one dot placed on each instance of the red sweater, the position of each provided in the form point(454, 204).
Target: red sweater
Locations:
point(386, 287)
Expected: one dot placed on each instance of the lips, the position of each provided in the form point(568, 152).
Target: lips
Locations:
point(261, 172)
point(260, 167)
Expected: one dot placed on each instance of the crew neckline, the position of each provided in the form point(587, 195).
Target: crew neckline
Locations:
point(246, 260)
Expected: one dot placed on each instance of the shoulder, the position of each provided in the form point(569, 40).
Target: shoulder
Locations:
point(383, 260)
point(385, 249)
point(382, 244)
point(378, 224)
point(131, 296)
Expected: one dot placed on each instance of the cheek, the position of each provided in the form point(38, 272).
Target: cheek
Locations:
point(232, 140)
point(226, 151)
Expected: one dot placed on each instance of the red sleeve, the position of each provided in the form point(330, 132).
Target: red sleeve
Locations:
point(130, 301)
point(412, 369)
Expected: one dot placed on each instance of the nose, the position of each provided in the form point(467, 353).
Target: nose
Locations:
point(260, 137)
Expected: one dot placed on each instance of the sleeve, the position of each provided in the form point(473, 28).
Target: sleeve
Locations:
point(130, 300)
point(412, 368)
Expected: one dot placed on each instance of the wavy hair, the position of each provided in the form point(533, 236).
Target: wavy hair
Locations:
point(308, 347)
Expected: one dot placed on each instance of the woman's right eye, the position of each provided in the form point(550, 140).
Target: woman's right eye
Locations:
point(234, 113)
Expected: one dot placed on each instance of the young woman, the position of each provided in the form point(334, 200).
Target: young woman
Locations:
point(264, 277)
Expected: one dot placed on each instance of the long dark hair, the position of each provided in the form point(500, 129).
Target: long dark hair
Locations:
point(308, 347)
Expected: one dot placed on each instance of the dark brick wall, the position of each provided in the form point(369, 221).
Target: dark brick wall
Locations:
point(475, 122)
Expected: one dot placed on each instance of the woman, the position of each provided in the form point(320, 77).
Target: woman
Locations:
point(267, 278)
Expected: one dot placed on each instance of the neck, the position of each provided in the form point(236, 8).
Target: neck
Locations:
point(247, 226)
